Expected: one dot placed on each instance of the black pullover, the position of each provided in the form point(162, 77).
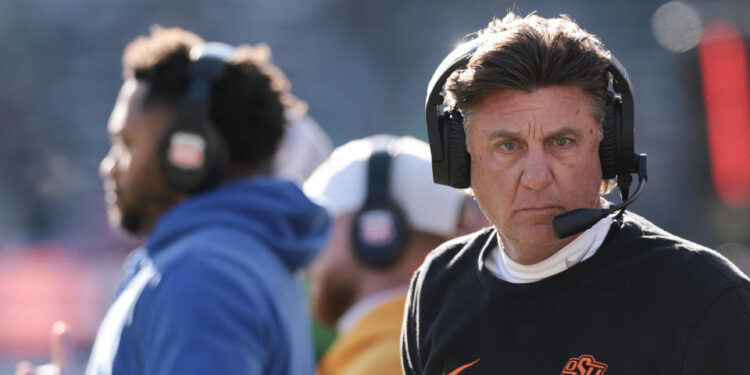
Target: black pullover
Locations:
point(647, 302)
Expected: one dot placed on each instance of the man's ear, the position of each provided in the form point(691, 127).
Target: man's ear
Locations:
point(607, 186)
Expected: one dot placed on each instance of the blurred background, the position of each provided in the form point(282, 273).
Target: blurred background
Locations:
point(363, 67)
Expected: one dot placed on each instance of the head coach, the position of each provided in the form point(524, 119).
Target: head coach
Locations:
point(536, 117)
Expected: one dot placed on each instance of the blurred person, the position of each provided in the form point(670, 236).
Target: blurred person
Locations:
point(536, 117)
point(387, 216)
point(215, 288)
point(302, 149)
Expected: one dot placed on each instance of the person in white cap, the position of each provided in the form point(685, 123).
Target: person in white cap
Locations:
point(387, 214)
point(303, 148)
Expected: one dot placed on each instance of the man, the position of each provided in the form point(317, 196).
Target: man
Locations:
point(214, 288)
point(532, 97)
point(386, 219)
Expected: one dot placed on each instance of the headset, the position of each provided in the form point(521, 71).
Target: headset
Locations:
point(193, 154)
point(451, 162)
point(380, 229)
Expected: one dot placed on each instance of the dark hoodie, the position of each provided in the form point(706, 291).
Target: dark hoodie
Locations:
point(215, 290)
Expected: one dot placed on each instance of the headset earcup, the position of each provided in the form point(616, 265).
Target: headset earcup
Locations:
point(380, 228)
point(368, 228)
point(459, 158)
point(192, 153)
point(608, 145)
point(192, 159)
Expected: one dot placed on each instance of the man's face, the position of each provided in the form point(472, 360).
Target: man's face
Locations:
point(135, 191)
point(333, 275)
point(534, 156)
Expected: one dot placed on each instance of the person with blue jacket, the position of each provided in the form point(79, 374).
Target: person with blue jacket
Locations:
point(215, 288)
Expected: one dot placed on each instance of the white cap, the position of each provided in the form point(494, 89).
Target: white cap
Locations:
point(304, 146)
point(340, 183)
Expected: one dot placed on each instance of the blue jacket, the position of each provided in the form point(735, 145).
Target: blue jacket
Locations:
point(216, 288)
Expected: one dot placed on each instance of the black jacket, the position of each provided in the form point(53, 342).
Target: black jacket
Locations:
point(647, 302)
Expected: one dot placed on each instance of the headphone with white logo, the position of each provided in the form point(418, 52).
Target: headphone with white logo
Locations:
point(380, 228)
point(193, 155)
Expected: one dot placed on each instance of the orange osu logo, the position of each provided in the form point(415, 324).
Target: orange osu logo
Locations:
point(584, 365)
point(462, 368)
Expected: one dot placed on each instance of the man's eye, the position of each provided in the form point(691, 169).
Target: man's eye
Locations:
point(507, 146)
point(561, 142)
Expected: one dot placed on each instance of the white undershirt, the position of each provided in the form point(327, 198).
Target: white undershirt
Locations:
point(359, 310)
point(580, 249)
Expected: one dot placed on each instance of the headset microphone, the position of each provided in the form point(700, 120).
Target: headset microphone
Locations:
point(579, 220)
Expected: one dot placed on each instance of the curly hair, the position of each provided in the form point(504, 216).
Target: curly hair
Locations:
point(248, 100)
point(526, 53)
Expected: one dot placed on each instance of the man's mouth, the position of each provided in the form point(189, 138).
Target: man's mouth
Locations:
point(111, 192)
point(540, 210)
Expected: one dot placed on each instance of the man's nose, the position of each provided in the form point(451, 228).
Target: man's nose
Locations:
point(107, 167)
point(536, 174)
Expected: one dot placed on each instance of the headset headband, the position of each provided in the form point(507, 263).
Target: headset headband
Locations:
point(216, 50)
point(378, 177)
point(457, 59)
point(208, 61)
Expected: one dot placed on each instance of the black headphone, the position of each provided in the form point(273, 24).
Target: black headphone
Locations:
point(451, 161)
point(380, 229)
point(193, 154)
